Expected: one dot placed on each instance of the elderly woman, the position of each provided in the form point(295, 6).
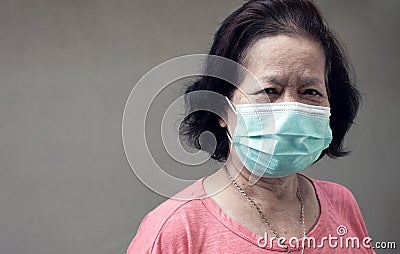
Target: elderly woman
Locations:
point(306, 88)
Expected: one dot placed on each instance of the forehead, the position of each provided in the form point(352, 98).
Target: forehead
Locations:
point(287, 56)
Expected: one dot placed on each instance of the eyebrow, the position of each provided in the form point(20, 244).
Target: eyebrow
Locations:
point(282, 81)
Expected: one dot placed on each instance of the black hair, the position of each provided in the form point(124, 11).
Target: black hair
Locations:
point(258, 19)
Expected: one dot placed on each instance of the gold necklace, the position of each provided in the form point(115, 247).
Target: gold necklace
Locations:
point(264, 218)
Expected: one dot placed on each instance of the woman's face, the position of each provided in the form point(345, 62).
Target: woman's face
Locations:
point(289, 68)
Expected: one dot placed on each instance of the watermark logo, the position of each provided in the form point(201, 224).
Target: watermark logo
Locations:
point(136, 124)
point(341, 230)
point(340, 240)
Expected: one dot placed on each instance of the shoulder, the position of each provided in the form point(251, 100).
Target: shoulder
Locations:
point(333, 192)
point(169, 221)
point(341, 205)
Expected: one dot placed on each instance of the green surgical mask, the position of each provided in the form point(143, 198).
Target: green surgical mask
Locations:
point(279, 139)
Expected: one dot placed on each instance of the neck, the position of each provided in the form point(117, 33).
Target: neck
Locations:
point(279, 194)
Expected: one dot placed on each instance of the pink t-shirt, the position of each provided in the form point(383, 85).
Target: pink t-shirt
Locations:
point(200, 226)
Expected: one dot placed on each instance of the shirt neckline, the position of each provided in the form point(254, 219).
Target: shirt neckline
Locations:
point(252, 237)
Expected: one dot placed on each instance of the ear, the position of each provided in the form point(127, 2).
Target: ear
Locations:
point(222, 123)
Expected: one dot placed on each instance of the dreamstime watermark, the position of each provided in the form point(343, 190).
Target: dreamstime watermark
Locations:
point(135, 125)
point(339, 240)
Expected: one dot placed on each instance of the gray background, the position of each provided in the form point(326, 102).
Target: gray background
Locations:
point(66, 70)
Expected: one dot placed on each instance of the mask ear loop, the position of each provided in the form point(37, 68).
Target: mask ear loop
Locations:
point(229, 136)
point(227, 132)
point(231, 105)
point(234, 110)
point(253, 177)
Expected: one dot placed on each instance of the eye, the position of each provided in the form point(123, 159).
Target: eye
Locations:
point(311, 92)
point(270, 90)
